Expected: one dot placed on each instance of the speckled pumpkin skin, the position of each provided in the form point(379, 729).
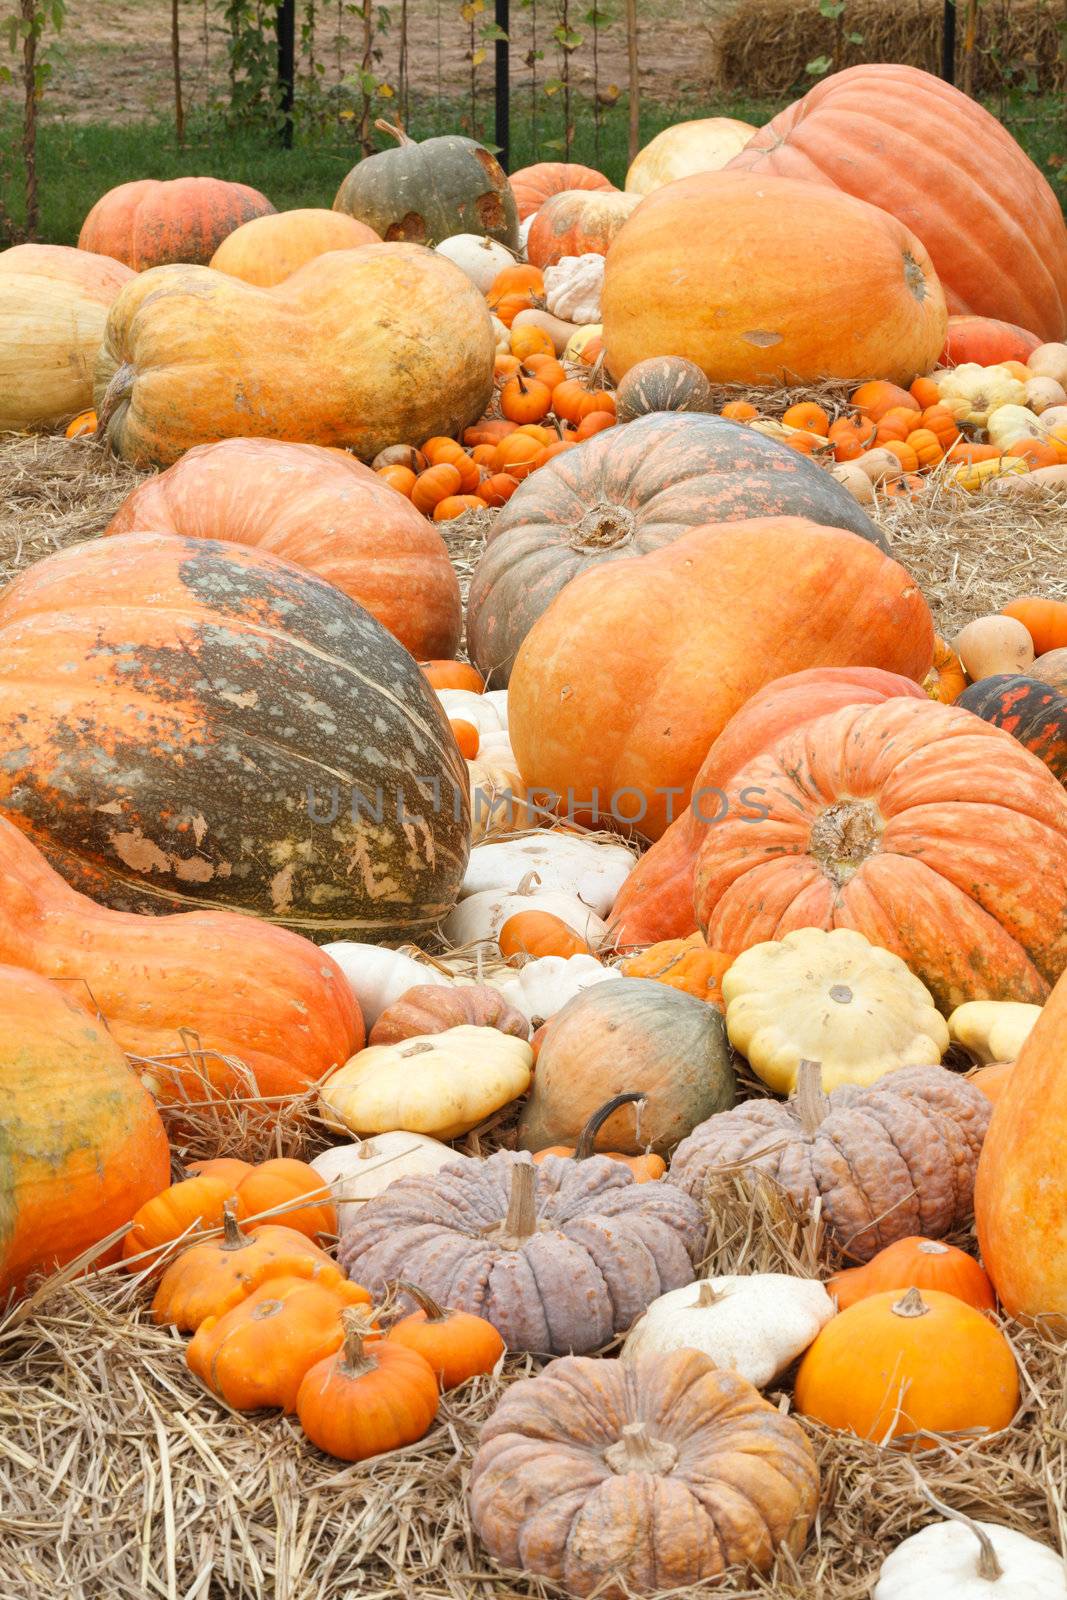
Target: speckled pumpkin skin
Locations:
point(549, 1493)
point(1033, 712)
point(604, 1247)
point(165, 706)
point(150, 224)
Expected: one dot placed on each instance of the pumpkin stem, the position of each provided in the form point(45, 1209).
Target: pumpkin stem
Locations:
point(603, 527)
point(232, 1237)
point(521, 1219)
point(843, 836)
point(989, 1566)
point(584, 1148)
point(415, 1050)
point(912, 1305)
point(529, 883)
point(636, 1451)
point(707, 1295)
point(931, 1247)
point(433, 1312)
point(354, 1355)
point(812, 1105)
point(366, 1150)
point(394, 130)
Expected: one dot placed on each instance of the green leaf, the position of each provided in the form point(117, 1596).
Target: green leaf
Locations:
point(489, 30)
point(819, 66)
point(553, 144)
point(831, 8)
point(854, 38)
point(552, 86)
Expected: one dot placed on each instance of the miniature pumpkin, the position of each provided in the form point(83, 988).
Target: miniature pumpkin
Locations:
point(994, 645)
point(1052, 668)
point(578, 222)
point(282, 1183)
point(915, 1263)
point(967, 1560)
point(442, 1084)
point(358, 1171)
point(194, 1204)
point(269, 249)
point(572, 288)
point(645, 1168)
point(662, 383)
point(457, 1344)
point(635, 1035)
point(431, 1008)
point(373, 1395)
point(909, 1364)
point(674, 1473)
point(831, 996)
point(544, 986)
point(1044, 620)
point(228, 1168)
point(887, 1162)
point(149, 223)
point(946, 679)
point(379, 976)
point(1033, 712)
point(755, 1326)
point(532, 186)
point(993, 1080)
point(538, 933)
point(425, 192)
point(685, 964)
point(562, 860)
point(479, 918)
point(993, 1030)
point(560, 1256)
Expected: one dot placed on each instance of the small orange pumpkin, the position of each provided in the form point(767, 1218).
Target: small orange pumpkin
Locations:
point(594, 422)
point(646, 1168)
point(809, 416)
point(940, 421)
point(926, 445)
point(227, 1167)
point(915, 1263)
point(946, 679)
point(402, 479)
point(456, 1344)
point(1044, 620)
point(992, 1079)
point(527, 341)
point(525, 399)
point(739, 411)
point(194, 1204)
point(924, 392)
point(546, 369)
point(283, 1182)
point(433, 486)
point(539, 933)
point(83, 426)
point(454, 505)
point(490, 430)
point(498, 488)
point(453, 675)
point(373, 1395)
point(686, 964)
point(876, 398)
point(467, 737)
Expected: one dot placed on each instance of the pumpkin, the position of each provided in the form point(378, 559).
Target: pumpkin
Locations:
point(456, 1344)
point(480, 918)
point(255, 681)
point(656, 901)
point(1052, 668)
point(481, 259)
point(442, 1084)
point(453, 675)
point(578, 222)
point(210, 1278)
point(378, 977)
point(610, 665)
point(879, 818)
point(1044, 620)
point(967, 1560)
point(373, 1395)
point(356, 1172)
point(685, 964)
point(845, 132)
point(359, 349)
point(531, 934)
point(993, 1080)
point(200, 1203)
point(626, 493)
point(886, 1162)
point(915, 1263)
point(645, 1168)
point(532, 186)
point(572, 290)
point(269, 249)
point(918, 1363)
point(755, 1326)
point(195, 1204)
point(229, 1168)
point(83, 1144)
point(54, 304)
point(674, 1472)
point(1033, 712)
point(199, 990)
point(558, 1257)
point(431, 1008)
point(546, 984)
point(633, 1035)
point(425, 192)
point(986, 341)
point(83, 426)
point(727, 239)
point(592, 870)
point(663, 383)
point(148, 223)
point(946, 679)
point(831, 996)
point(980, 391)
point(993, 1030)
point(290, 1192)
point(322, 510)
point(256, 1354)
point(703, 145)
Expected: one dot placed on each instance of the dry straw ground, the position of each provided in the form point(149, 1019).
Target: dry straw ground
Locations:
point(120, 1476)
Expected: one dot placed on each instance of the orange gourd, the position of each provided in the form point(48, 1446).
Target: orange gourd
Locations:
point(926, 447)
point(83, 426)
point(1035, 452)
point(539, 933)
point(568, 400)
point(516, 279)
point(229, 1168)
point(434, 485)
point(293, 1186)
point(850, 438)
point(498, 488)
point(739, 411)
point(525, 399)
point(402, 479)
point(896, 488)
point(484, 454)
point(915, 1263)
point(809, 416)
point(897, 423)
point(946, 679)
point(194, 1205)
point(1044, 620)
point(941, 422)
point(592, 422)
point(546, 369)
point(505, 366)
point(993, 1080)
point(466, 737)
point(454, 675)
point(875, 399)
point(456, 505)
point(924, 392)
point(805, 443)
point(518, 455)
point(531, 341)
point(441, 447)
point(646, 1168)
point(965, 454)
point(457, 1345)
point(687, 964)
point(904, 453)
point(506, 309)
point(372, 1396)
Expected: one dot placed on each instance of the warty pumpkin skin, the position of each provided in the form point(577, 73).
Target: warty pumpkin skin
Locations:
point(425, 192)
point(191, 724)
point(270, 249)
point(1031, 711)
point(630, 1479)
point(993, 225)
point(360, 348)
point(532, 186)
point(635, 668)
point(706, 268)
point(81, 1143)
point(656, 901)
point(150, 224)
point(925, 829)
point(628, 491)
point(321, 509)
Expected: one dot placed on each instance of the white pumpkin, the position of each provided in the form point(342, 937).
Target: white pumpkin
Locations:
point(993, 1030)
point(573, 288)
point(471, 707)
point(481, 259)
point(1049, 361)
point(498, 699)
point(984, 389)
point(965, 1560)
point(543, 987)
point(1011, 425)
point(524, 233)
point(357, 1172)
point(441, 1084)
point(592, 871)
point(479, 918)
point(1042, 394)
point(377, 975)
point(756, 1326)
point(831, 997)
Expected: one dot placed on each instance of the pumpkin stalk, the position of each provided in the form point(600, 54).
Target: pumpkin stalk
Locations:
point(355, 1357)
point(636, 1451)
point(587, 1138)
point(394, 130)
point(426, 1304)
point(989, 1566)
point(812, 1105)
point(912, 1305)
point(528, 883)
point(521, 1219)
point(707, 1295)
point(232, 1237)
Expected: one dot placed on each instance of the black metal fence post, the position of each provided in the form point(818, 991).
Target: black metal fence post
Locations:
point(286, 25)
point(503, 85)
point(948, 43)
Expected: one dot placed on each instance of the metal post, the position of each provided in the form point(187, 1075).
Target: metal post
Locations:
point(503, 84)
point(948, 43)
point(286, 25)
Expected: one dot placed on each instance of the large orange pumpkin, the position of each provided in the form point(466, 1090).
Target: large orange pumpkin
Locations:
point(991, 222)
point(321, 509)
point(81, 1143)
point(986, 341)
point(211, 982)
point(578, 222)
point(636, 667)
point(532, 186)
point(269, 249)
point(1018, 1198)
point(656, 901)
point(148, 223)
point(763, 279)
point(932, 833)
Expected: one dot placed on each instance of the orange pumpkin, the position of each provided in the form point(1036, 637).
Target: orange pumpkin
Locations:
point(1044, 620)
point(456, 505)
point(986, 341)
point(685, 964)
point(877, 398)
point(456, 1344)
point(498, 488)
point(466, 734)
point(924, 392)
point(148, 223)
point(809, 416)
point(850, 438)
point(646, 1168)
point(282, 1183)
point(939, 420)
point(194, 1205)
point(83, 426)
point(925, 446)
point(402, 479)
point(372, 1396)
point(532, 186)
point(593, 422)
point(531, 341)
point(525, 399)
point(453, 675)
point(433, 486)
point(578, 222)
point(538, 933)
point(229, 1168)
point(739, 411)
point(993, 1079)
point(915, 1263)
point(946, 679)
point(271, 248)
point(546, 369)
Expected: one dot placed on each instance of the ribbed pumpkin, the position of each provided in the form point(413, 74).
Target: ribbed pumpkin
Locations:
point(532, 186)
point(321, 509)
point(53, 310)
point(198, 989)
point(623, 684)
point(985, 340)
point(708, 269)
point(192, 723)
point(626, 492)
point(663, 383)
point(578, 222)
point(993, 228)
point(360, 348)
point(270, 249)
point(1031, 711)
point(423, 193)
point(149, 224)
point(704, 145)
point(81, 1143)
point(927, 830)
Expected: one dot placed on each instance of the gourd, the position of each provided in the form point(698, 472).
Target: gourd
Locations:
point(834, 996)
point(269, 249)
point(573, 287)
point(946, 680)
point(479, 258)
point(915, 1264)
point(1044, 393)
point(578, 222)
point(532, 186)
point(1052, 668)
point(985, 340)
point(755, 1326)
point(358, 1171)
point(566, 862)
point(149, 223)
point(687, 964)
point(662, 383)
point(427, 191)
point(967, 1560)
point(543, 987)
point(1010, 425)
point(1034, 713)
point(1049, 361)
point(378, 976)
point(985, 389)
point(372, 1396)
point(456, 1344)
point(1044, 620)
point(993, 1030)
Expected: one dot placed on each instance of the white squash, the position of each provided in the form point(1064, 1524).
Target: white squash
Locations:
point(1042, 394)
point(377, 975)
point(471, 707)
point(756, 1326)
point(498, 699)
point(524, 233)
point(591, 870)
point(1049, 361)
point(967, 1560)
point(879, 464)
point(481, 259)
point(357, 1172)
point(573, 288)
point(858, 483)
point(993, 644)
point(502, 335)
point(993, 1030)
point(1010, 425)
point(441, 1084)
point(479, 918)
point(984, 389)
point(543, 987)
